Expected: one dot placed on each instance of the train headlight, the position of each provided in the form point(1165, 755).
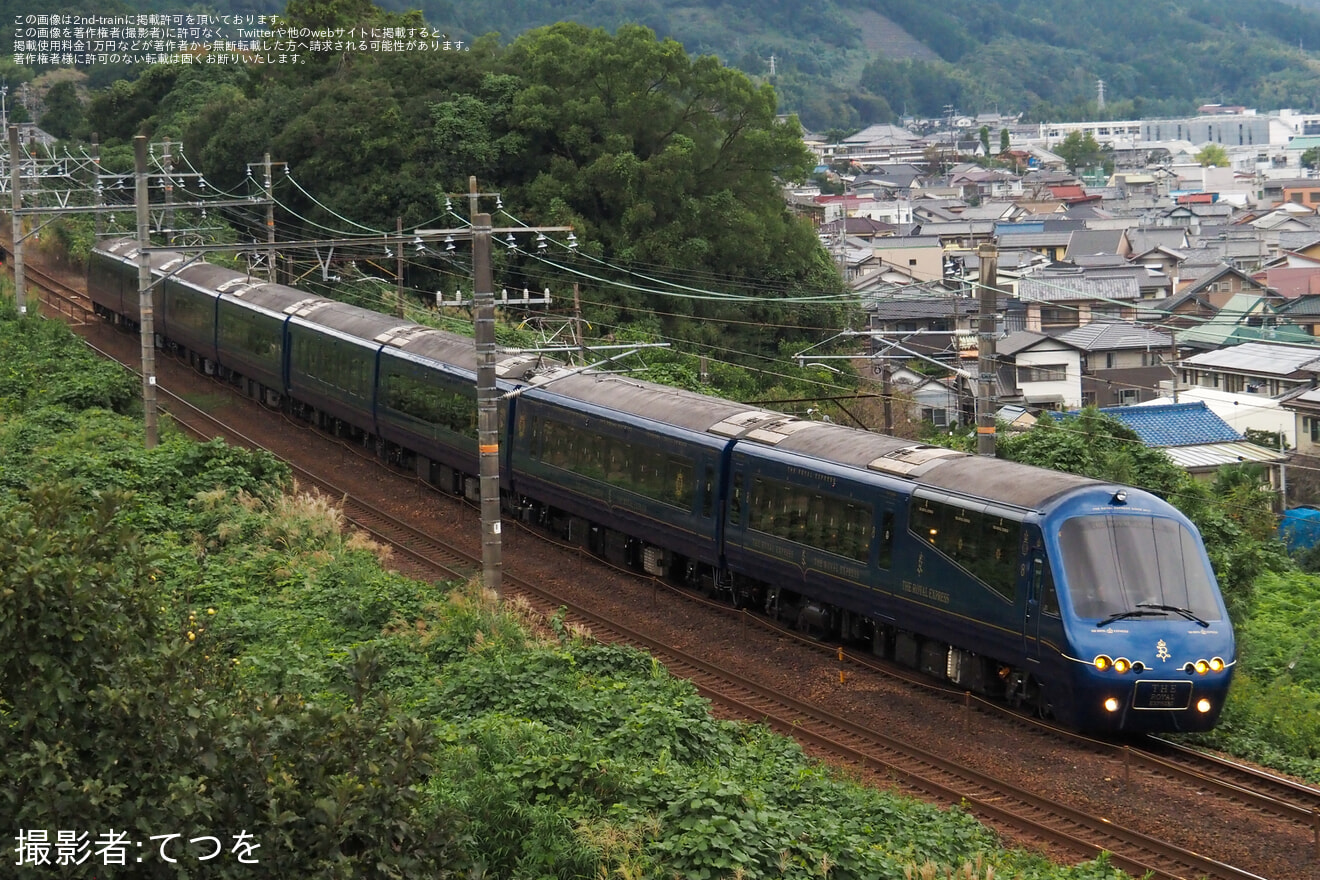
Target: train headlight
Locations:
point(1216, 664)
point(1203, 705)
point(1202, 667)
point(1121, 665)
point(1111, 704)
point(1102, 662)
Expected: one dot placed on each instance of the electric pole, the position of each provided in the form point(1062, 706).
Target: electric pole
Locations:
point(145, 313)
point(988, 255)
point(15, 161)
point(488, 429)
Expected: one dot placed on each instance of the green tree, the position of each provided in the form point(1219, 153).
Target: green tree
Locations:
point(64, 117)
point(1213, 155)
point(1079, 150)
point(985, 139)
point(657, 158)
point(1003, 141)
point(1311, 158)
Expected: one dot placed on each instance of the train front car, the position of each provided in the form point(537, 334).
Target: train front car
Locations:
point(1149, 646)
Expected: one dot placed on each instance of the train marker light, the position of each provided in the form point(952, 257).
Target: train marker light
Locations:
point(1102, 662)
point(1111, 704)
point(1217, 664)
point(1203, 705)
point(1121, 665)
point(1202, 667)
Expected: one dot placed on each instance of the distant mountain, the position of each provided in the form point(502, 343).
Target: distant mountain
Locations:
point(845, 63)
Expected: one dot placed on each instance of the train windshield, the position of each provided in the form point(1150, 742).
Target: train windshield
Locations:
point(1117, 565)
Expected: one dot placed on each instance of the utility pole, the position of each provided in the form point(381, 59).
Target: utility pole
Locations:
point(99, 224)
point(398, 268)
point(15, 161)
point(270, 223)
point(488, 429)
point(144, 291)
point(577, 322)
point(988, 255)
point(167, 162)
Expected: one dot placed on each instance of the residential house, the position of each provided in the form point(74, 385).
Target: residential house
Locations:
point(933, 399)
point(1303, 312)
point(1265, 368)
point(1243, 412)
point(1061, 296)
point(1199, 300)
point(1304, 404)
point(1244, 318)
point(864, 228)
point(921, 256)
point(1039, 371)
point(1121, 363)
point(1088, 242)
point(1195, 439)
point(1304, 191)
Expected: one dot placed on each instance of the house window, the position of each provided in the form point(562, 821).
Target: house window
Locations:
point(1110, 360)
point(1314, 429)
point(1088, 398)
point(1042, 373)
point(937, 417)
point(1129, 396)
point(1313, 197)
point(912, 262)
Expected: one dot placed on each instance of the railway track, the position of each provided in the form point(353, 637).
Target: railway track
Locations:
point(879, 756)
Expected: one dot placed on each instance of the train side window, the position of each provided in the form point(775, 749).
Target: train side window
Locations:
point(886, 539)
point(924, 520)
point(736, 500)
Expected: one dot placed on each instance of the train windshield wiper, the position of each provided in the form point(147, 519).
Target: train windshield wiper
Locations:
point(1124, 615)
point(1185, 612)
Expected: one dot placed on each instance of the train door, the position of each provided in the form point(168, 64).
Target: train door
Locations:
point(1031, 625)
point(1042, 602)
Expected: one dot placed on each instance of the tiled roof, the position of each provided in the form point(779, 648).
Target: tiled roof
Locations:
point(1114, 335)
point(1051, 288)
point(1176, 424)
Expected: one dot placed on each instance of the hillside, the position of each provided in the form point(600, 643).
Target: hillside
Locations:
point(844, 63)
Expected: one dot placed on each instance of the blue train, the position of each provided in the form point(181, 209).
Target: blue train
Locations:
point(1089, 602)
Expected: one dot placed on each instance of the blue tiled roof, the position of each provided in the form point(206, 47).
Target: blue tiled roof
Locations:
point(1174, 424)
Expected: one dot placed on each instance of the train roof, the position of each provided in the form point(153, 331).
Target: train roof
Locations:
point(661, 403)
point(430, 344)
point(933, 466)
point(126, 250)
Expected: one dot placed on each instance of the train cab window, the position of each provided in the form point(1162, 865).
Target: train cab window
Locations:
point(1113, 563)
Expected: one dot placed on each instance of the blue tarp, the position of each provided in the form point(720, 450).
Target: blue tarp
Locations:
point(1300, 527)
